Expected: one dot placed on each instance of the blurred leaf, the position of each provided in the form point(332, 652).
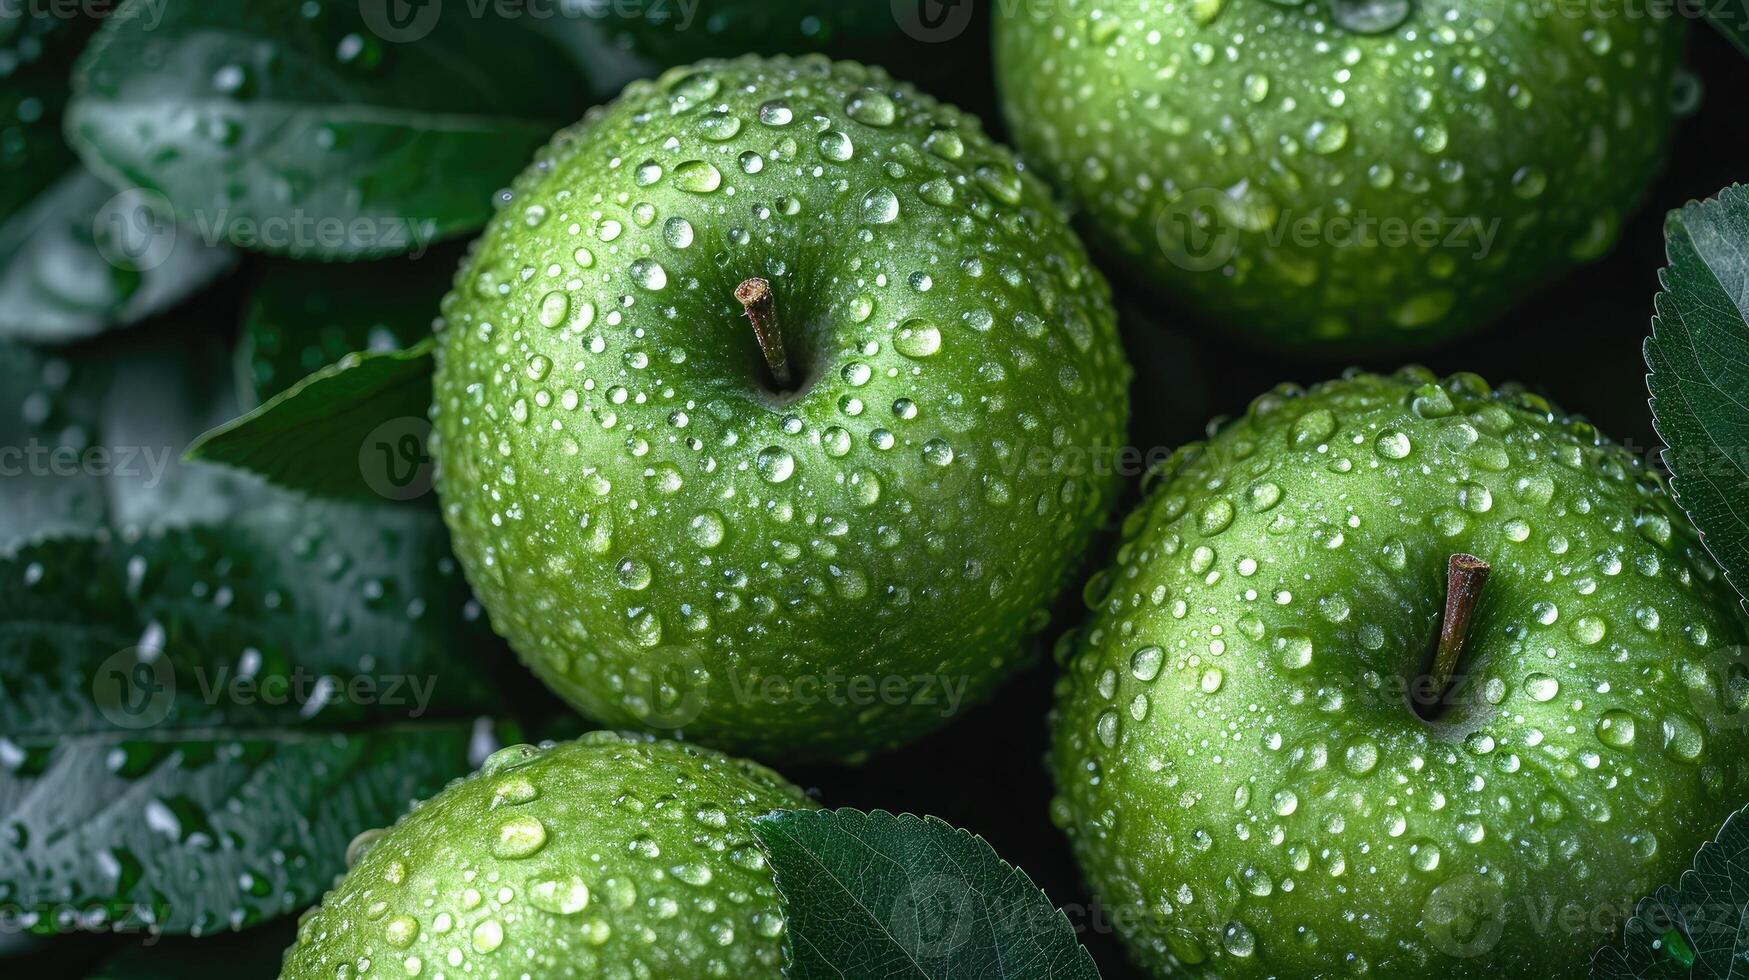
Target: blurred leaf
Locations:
point(76, 258)
point(1692, 929)
point(305, 317)
point(324, 130)
point(91, 442)
point(1699, 360)
point(879, 897)
point(81, 259)
point(207, 691)
point(353, 429)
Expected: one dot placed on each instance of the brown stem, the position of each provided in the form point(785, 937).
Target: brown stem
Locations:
point(1466, 577)
point(761, 304)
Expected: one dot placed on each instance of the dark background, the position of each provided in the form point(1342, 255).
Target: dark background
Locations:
point(1579, 343)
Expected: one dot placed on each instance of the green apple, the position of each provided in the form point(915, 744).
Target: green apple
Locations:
point(1279, 754)
point(819, 533)
point(1344, 174)
point(609, 856)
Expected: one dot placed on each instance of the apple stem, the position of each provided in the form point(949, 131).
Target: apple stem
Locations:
point(756, 296)
point(1466, 577)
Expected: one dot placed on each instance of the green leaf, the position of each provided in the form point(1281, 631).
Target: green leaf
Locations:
point(36, 53)
point(78, 454)
point(1693, 929)
point(304, 317)
point(76, 257)
point(353, 429)
point(875, 896)
point(82, 259)
point(328, 130)
point(207, 686)
point(1699, 360)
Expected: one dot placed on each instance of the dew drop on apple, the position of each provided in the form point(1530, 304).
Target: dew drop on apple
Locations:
point(1284, 802)
point(698, 177)
point(775, 464)
point(1237, 940)
point(678, 233)
point(1393, 444)
point(1541, 687)
point(1106, 728)
point(1360, 757)
point(649, 274)
point(1211, 680)
point(836, 146)
point(1616, 728)
point(836, 441)
point(776, 114)
point(519, 837)
point(1682, 738)
point(719, 126)
point(1145, 663)
point(872, 107)
point(488, 936)
point(917, 339)
point(880, 206)
point(1295, 651)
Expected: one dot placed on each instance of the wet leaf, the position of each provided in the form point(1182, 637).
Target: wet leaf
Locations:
point(1699, 360)
point(882, 897)
point(314, 130)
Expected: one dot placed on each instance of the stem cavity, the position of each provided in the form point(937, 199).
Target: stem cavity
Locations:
point(1466, 577)
point(761, 305)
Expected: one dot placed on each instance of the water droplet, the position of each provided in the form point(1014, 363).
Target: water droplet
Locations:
point(559, 896)
point(872, 108)
point(880, 206)
point(917, 339)
point(697, 177)
point(1616, 728)
point(775, 464)
point(519, 837)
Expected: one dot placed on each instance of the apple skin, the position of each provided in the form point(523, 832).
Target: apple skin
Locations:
point(608, 856)
point(1239, 771)
point(1191, 145)
point(669, 544)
